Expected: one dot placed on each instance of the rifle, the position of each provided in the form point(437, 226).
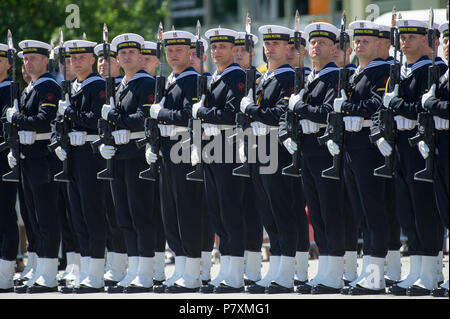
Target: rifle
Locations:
point(63, 126)
point(387, 129)
point(293, 127)
point(426, 129)
point(11, 131)
point(152, 134)
point(105, 128)
point(335, 128)
point(202, 83)
point(51, 59)
point(242, 120)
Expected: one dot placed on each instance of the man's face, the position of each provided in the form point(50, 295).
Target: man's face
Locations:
point(26, 77)
point(241, 55)
point(445, 45)
point(69, 69)
point(413, 44)
point(177, 55)
point(222, 52)
point(82, 63)
point(321, 48)
point(292, 55)
point(35, 64)
point(276, 50)
point(366, 47)
point(102, 66)
point(149, 63)
point(130, 59)
point(4, 66)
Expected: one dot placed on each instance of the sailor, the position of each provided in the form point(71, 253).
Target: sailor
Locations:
point(134, 199)
point(37, 165)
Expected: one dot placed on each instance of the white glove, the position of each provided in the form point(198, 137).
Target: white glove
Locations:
point(384, 147)
point(198, 105)
point(431, 93)
point(247, 100)
point(61, 153)
point(121, 137)
point(294, 99)
point(259, 129)
point(211, 129)
point(313, 127)
point(77, 138)
point(107, 108)
point(389, 96)
point(424, 149)
point(440, 123)
point(333, 148)
point(150, 157)
point(27, 137)
point(156, 108)
point(242, 156)
point(63, 105)
point(290, 145)
point(305, 126)
point(167, 130)
point(348, 123)
point(339, 101)
point(12, 160)
point(400, 120)
point(357, 123)
point(107, 151)
point(12, 110)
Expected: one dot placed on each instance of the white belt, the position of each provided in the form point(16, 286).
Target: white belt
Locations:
point(181, 129)
point(43, 136)
point(137, 135)
point(225, 127)
point(92, 138)
point(368, 123)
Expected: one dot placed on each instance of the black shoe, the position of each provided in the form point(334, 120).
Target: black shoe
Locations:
point(20, 282)
point(21, 289)
point(87, 290)
point(275, 288)
point(347, 282)
point(322, 289)
point(304, 289)
point(177, 289)
point(207, 289)
point(397, 291)
point(225, 289)
point(66, 289)
point(115, 289)
point(133, 289)
point(158, 282)
point(62, 282)
point(345, 290)
point(6, 290)
point(206, 282)
point(248, 282)
point(390, 282)
point(255, 289)
point(362, 291)
point(415, 290)
point(110, 283)
point(159, 289)
point(38, 289)
point(300, 283)
point(439, 292)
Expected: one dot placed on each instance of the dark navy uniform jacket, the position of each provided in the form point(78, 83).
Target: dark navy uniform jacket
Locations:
point(133, 101)
point(318, 100)
point(181, 94)
point(367, 87)
point(224, 97)
point(4, 102)
point(38, 109)
point(438, 105)
point(87, 101)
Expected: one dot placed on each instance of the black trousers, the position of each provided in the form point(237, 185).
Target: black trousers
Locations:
point(324, 198)
point(87, 198)
point(416, 205)
point(9, 233)
point(300, 215)
point(134, 201)
point(394, 242)
point(253, 223)
point(41, 198)
point(160, 245)
point(115, 242)
point(359, 166)
point(351, 222)
point(181, 205)
point(441, 176)
point(69, 239)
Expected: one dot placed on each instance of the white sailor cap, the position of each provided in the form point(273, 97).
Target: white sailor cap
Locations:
point(20, 55)
point(364, 28)
point(176, 37)
point(149, 48)
point(194, 43)
point(412, 26)
point(56, 50)
point(33, 46)
point(128, 41)
point(443, 28)
point(221, 35)
point(3, 50)
point(275, 32)
point(79, 46)
point(98, 50)
point(302, 38)
point(385, 31)
point(321, 29)
point(240, 40)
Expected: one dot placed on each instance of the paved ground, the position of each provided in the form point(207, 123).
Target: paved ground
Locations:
point(241, 296)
